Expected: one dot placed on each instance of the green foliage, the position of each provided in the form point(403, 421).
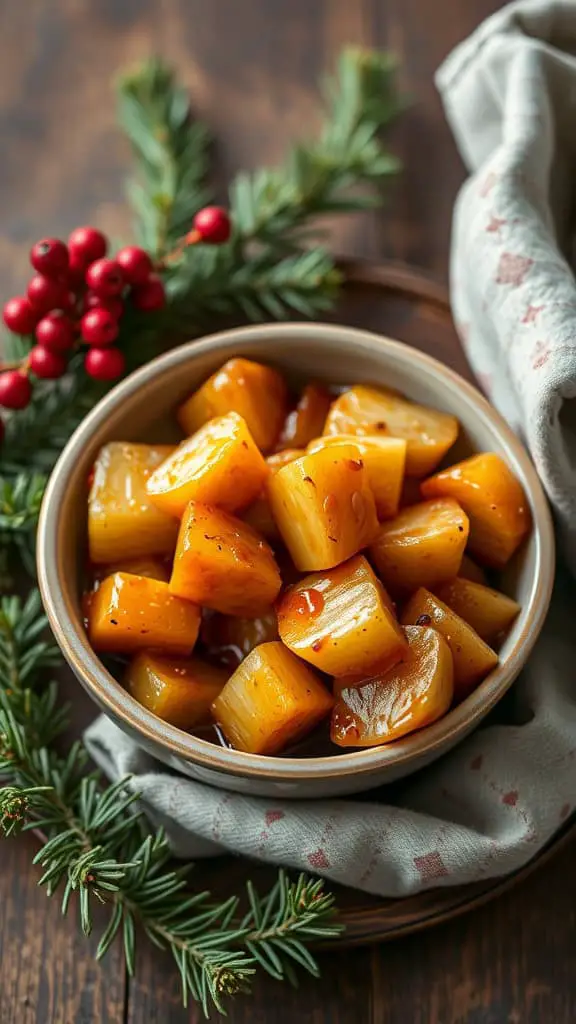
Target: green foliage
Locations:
point(265, 271)
point(171, 151)
point(304, 284)
point(33, 441)
point(36, 435)
point(330, 175)
point(96, 845)
point(20, 500)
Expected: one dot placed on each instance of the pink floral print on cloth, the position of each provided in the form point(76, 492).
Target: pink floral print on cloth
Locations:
point(489, 806)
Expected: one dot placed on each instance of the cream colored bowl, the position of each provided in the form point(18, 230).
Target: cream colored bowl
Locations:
point(141, 409)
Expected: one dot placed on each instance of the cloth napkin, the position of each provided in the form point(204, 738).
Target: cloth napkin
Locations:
point(487, 807)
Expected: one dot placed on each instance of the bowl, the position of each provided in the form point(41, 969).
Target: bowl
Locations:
point(141, 409)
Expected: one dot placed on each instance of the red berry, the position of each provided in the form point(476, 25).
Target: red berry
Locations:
point(49, 257)
point(104, 363)
point(105, 278)
point(15, 389)
point(99, 327)
point(86, 245)
point(136, 264)
point(113, 304)
point(149, 296)
point(46, 363)
point(76, 269)
point(56, 331)
point(19, 316)
point(45, 293)
point(213, 225)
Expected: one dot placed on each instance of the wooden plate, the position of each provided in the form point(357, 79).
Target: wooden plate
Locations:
point(403, 303)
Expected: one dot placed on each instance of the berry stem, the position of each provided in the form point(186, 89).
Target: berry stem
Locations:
point(17, 365)
point(192, 238)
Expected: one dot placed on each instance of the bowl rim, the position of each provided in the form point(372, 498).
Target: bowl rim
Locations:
point(112, 698)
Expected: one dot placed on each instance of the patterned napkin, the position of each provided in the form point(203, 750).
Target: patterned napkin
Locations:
point(486, 808)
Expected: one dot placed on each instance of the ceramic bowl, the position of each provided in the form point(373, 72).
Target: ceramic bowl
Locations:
point(141, 409)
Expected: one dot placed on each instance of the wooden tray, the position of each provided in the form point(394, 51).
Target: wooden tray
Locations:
point(403, 303)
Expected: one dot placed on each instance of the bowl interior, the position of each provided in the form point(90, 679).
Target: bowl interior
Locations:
point(141, 409)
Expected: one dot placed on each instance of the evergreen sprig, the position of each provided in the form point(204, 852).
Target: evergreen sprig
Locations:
point(171, 151)
point(97, 845)
point(20, 500)
point(303, 283)
point(94, 843)
point(265, 270)
point(328, 176)
point(35, 436)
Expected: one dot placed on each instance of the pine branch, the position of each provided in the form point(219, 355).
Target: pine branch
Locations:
point(97, 846)
point(324, 177)
point(264, 271)
point(16, 806)
point(35, 436)
point(211, 281)
point(171, 151)
point(20, 501)
point(24, 653)
point(33, 441)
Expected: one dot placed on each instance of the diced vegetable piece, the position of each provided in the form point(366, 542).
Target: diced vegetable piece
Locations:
point(428, 432)
point(306, 421)
point(340, 620)
point(473, 659)
point(219, 465)
point(152, 568)
point(122, 520)
point(488, 611)
point(259, 514)
point(422, 546)
point(384, 458)
point(408, 697)
point(493, 500)
point(221, 563)
point(179, 690)
point(230, 639)
point(470, 571)
point(324, 507)
point(257, 393)
point(128, 613)
point(272, 699)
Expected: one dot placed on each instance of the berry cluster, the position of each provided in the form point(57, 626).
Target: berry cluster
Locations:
point(77, 297)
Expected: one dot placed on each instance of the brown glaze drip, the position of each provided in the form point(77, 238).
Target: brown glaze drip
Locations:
point(306, 604)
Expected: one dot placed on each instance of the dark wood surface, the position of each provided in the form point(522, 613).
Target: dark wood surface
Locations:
point(251, 66)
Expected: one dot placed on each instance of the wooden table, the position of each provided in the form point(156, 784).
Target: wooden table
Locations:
point(251, 66)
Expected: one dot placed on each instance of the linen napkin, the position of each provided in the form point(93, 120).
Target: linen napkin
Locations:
point(490, 805)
